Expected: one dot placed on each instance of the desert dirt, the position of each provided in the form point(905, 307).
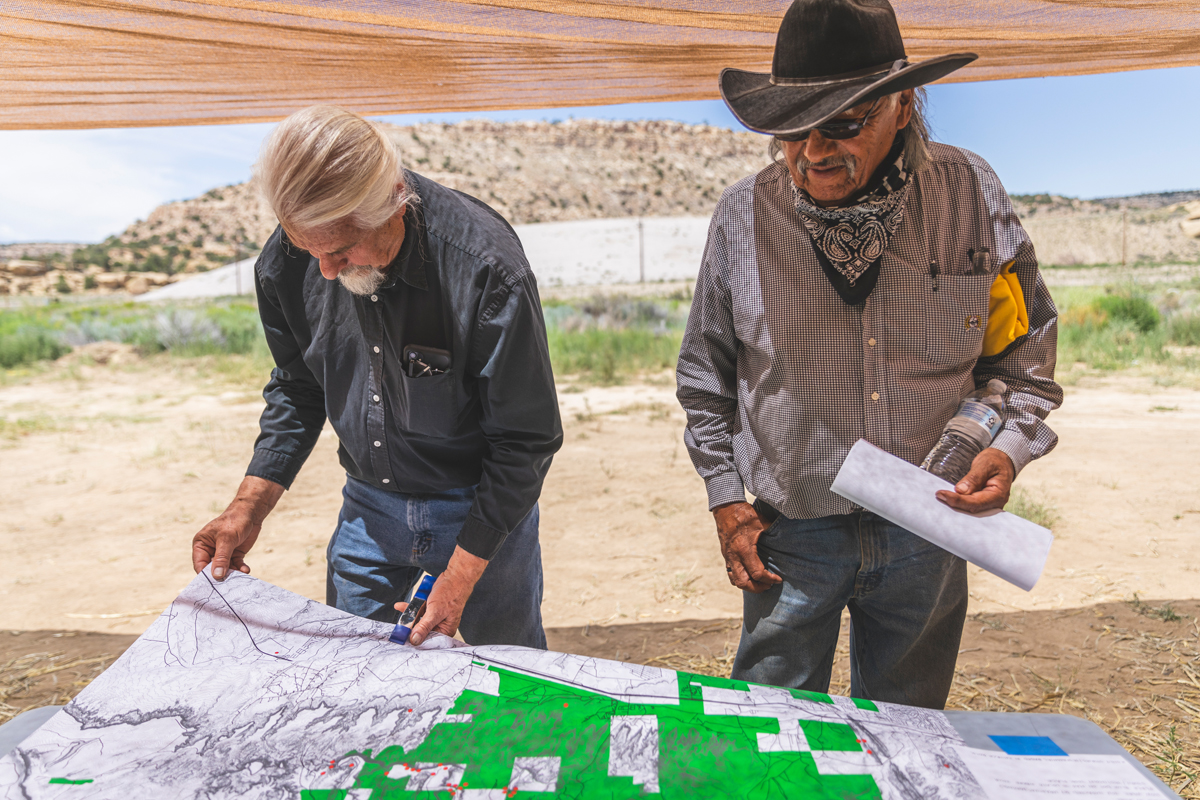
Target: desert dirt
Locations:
point(109, 469)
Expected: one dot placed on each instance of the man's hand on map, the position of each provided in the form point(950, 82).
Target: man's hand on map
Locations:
point(444, 608)
point(225, 541)
point(738, 527)
point(986, 486)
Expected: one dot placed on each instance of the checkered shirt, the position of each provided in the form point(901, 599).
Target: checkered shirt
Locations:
point(779, 377)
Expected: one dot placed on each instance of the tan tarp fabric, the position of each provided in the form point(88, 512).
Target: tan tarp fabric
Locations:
point(101, 63)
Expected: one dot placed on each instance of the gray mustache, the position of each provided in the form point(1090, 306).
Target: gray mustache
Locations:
point(849, 162)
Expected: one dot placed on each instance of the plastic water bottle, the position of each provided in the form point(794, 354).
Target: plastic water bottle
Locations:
point(968, 432)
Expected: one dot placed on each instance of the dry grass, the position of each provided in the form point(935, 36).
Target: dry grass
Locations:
point(24, 684)
point(708, 661)
point(681, 589)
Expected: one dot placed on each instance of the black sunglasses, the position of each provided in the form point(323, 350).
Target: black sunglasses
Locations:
point(839, 129)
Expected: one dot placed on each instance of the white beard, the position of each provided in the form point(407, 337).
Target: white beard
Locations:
point(362, 280)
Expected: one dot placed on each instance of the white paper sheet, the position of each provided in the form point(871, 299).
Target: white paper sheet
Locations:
point(1004, 544)
point(1006, 777)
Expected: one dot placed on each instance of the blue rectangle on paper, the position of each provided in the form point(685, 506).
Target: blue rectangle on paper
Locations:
point(1028, 745)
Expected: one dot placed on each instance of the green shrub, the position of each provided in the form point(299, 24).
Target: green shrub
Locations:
point(155, 262)
point(93, 254)
point(606, 355)
point(1030, 507)
point(1110, 345)
point(1131, 308)
point(240, 327)
point(1184, 329)
point(28, 345)
point(609, 336)
point(194, 329)
point(208, 330)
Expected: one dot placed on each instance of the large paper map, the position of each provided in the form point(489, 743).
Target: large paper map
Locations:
point(244, 690)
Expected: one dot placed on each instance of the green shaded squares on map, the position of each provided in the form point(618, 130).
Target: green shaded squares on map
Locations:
point(318, 704)
point(540, 738)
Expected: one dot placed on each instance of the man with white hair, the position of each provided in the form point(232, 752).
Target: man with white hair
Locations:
point(406, 314)
point(857, 288)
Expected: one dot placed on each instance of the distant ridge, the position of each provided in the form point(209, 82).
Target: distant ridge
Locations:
point(578, 169)
point(527, 171)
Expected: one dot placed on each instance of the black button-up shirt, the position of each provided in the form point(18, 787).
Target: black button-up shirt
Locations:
point(491, 420)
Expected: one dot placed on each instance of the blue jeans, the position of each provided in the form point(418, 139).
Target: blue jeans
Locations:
point(384, 540)
point(907, 601)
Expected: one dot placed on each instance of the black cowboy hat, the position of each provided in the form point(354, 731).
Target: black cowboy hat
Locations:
point(830, 55)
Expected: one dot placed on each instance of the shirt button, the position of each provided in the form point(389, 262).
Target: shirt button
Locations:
point(874, 396)
point(375, 397)
point(374, 298)
point(387, 480)
point(871, 342)
point(380, 444)
point(376, 349)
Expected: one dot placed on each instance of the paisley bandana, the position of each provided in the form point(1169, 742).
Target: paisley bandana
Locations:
point(854, 237)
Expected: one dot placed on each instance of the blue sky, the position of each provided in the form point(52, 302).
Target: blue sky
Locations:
point(1090, 136)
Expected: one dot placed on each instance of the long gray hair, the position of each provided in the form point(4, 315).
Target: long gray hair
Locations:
point(324, 164)
point(916, 135)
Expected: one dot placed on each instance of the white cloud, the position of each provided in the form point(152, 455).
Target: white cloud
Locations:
point(86, 185)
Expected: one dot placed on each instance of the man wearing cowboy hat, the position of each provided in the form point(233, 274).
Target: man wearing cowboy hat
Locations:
point(857, 288)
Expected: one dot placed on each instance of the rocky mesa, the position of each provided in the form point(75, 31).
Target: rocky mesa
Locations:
point(546, 172)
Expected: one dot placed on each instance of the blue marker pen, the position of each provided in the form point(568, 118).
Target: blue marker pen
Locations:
point(404, 626)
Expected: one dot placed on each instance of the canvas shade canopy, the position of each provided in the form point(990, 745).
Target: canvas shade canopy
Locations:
point(109, 63)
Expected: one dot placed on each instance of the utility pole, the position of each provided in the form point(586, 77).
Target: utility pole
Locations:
point(1124, 235)
point(237, 268)
point(641, 253)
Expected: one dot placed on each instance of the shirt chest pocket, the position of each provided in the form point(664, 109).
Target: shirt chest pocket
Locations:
point(428, 406)
point(955, 317)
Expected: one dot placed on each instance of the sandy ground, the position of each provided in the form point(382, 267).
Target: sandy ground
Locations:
point(108, 471)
